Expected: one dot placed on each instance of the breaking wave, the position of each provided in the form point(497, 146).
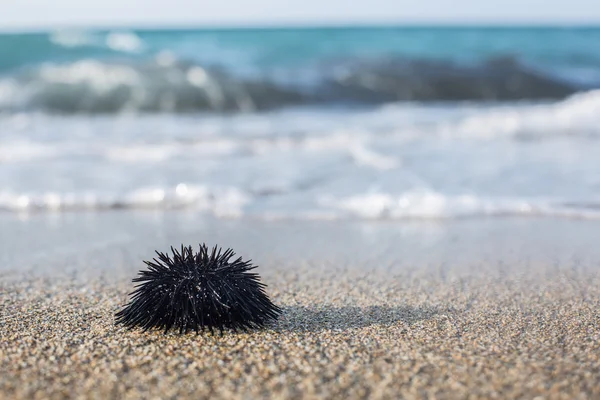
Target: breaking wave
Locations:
point(221, 202)
point(167, 85)
point(230, 202)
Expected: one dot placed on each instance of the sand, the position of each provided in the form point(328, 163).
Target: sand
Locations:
point(383, 319)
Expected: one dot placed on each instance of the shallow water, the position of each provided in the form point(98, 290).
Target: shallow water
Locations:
point(304, 124)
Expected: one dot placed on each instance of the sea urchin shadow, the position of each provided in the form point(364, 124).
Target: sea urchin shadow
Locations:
point(197, 291)
point(327, 317)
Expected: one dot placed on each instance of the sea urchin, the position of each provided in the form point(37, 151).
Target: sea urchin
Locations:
point(197, 291)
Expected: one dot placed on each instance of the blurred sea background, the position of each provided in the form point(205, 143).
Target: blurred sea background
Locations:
point(303, 123)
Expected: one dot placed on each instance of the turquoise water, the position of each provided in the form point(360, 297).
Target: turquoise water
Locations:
point(212, 70)
point(570, 47)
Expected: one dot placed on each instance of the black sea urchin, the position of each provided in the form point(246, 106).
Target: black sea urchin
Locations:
point(198, 291)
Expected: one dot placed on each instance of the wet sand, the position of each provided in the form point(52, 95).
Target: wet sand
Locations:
point(370, 310)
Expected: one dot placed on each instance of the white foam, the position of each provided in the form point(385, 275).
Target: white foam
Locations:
point(127, 42)
point(367, 157)
point(21, 151)
point(11, 94)
point(278, 165)
point(102, 77)
point(71, 39)
point(577, 115)
point(141, 153)
point(220, 201)
point(231, 202)
point(165, 58)
point(432, 205)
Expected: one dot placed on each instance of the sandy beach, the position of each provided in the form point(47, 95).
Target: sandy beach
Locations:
point(422, 200)
point(463, 309)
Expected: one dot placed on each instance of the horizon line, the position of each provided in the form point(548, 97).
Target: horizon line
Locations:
point(235, 26)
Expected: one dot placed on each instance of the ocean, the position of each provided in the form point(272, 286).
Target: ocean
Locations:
point(386, 123)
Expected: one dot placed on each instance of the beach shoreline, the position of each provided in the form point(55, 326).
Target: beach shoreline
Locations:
point(378, 310)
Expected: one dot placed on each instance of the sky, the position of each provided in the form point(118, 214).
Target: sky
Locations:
point(43, 14)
